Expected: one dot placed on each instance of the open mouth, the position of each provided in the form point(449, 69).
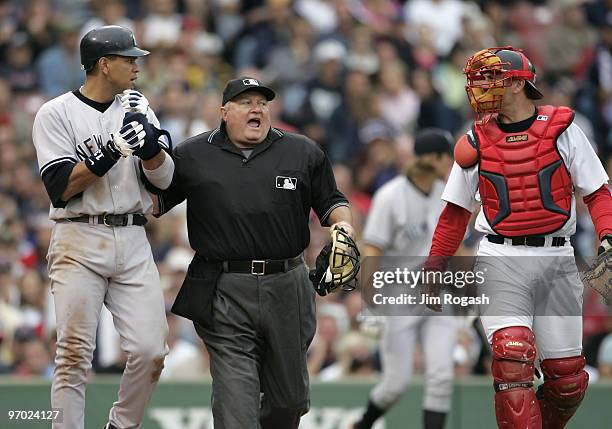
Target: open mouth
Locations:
point(254, 123)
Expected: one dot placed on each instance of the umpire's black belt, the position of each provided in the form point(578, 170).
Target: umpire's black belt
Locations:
point(533, 241)
point(110, 219)
point(263, 266)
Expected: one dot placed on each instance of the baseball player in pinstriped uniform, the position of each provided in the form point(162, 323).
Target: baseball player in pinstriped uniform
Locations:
point(400, 224)
point(90, 161)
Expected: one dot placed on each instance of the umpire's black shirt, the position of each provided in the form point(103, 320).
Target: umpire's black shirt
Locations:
point(255, 207)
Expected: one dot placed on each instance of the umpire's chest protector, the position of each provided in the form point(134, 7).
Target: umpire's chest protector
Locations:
point(524, 185)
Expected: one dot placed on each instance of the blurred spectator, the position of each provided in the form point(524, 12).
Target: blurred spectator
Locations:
point(570, 42)
point(320, 14)
point(449, 80)
point(162, 25)
point(604, 357)
point(356, 358)
point(59, 66)
point(32, 299)
point(433, 111)
point(4, 368)
point(440, 19)
point(108, 12)
point(378, 15)
point(18, 65)
point(362, 56)
point(185, 361)
point(331, 325)
point(399, 103)
point(36, 19)
point(11, 317)
point(175, 114)
point(290, 61)
point(207, 69)
point(377, 164)
point(360, 201)
point(359, 104)
point(21, 336)
point(7, 24)
point(36, 359)
point(323, 93)
point(208, 118)
point(14, 121)
point(175, 267)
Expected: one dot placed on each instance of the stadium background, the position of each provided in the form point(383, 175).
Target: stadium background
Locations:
point(360, 77)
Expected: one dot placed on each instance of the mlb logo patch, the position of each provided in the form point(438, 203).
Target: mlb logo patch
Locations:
point(289, 183)
point(250, 82)
point(542, 118)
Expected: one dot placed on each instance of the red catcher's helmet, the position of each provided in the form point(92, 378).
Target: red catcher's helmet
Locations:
point(491, 70)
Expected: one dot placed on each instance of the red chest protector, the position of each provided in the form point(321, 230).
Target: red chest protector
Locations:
point(524, 184)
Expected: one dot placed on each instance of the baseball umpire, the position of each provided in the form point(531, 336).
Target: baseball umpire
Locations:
point(99, 253)
point(249, 189)
point(400, 223)
point(526, 163)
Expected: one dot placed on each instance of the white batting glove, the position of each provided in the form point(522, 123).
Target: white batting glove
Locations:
point(134, 101)
point(129, 138)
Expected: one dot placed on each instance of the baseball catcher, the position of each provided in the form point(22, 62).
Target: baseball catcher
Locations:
point(337, 264)
point(528, 164)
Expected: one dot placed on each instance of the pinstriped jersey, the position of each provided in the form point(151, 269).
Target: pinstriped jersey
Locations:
point(67, 130)
point(402, 219)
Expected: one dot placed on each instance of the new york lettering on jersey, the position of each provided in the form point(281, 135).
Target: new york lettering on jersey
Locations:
point(74, 128)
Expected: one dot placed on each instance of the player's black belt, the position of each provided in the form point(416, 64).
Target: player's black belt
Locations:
point(532, 241)
point(111, 219)
point(263, 266)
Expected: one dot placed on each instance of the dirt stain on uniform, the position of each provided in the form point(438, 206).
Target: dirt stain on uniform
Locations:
point(103, 245)
point(158, 366)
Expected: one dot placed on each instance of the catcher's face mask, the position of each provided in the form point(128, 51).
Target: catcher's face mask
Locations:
point(490, 71)
point(343, 261)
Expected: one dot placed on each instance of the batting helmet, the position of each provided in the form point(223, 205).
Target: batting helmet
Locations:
point(108, 40)
point(491, 70)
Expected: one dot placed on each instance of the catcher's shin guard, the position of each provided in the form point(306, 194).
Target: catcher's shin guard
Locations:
point(516, 406)
point(565, 384)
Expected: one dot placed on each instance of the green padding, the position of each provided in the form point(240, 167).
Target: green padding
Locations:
point(334, 405)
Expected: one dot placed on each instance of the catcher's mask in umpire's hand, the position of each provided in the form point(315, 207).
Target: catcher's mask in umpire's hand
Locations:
point(337, 264)
point(343, 260)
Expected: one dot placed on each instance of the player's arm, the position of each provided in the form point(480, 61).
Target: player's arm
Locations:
point(97, 165)
point(158, 170)
point(80, 178)
point(449, 231)
point(165, 199)
point(459, 195)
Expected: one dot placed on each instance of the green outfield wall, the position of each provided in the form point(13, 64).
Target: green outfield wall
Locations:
point(334, 405)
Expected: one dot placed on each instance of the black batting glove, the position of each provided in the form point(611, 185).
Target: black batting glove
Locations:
point(150, 146)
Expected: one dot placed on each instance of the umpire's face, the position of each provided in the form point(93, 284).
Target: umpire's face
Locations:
point(247, 118)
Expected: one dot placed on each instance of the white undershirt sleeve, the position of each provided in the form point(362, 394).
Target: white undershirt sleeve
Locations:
point(161, 177)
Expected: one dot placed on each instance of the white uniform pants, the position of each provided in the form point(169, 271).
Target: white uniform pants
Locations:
point(438, 336)
point(90, 265)
point(517, 300)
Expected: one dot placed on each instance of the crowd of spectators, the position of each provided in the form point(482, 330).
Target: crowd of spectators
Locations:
point(359, 77)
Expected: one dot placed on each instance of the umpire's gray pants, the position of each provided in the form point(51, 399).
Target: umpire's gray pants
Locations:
point(262, 327)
